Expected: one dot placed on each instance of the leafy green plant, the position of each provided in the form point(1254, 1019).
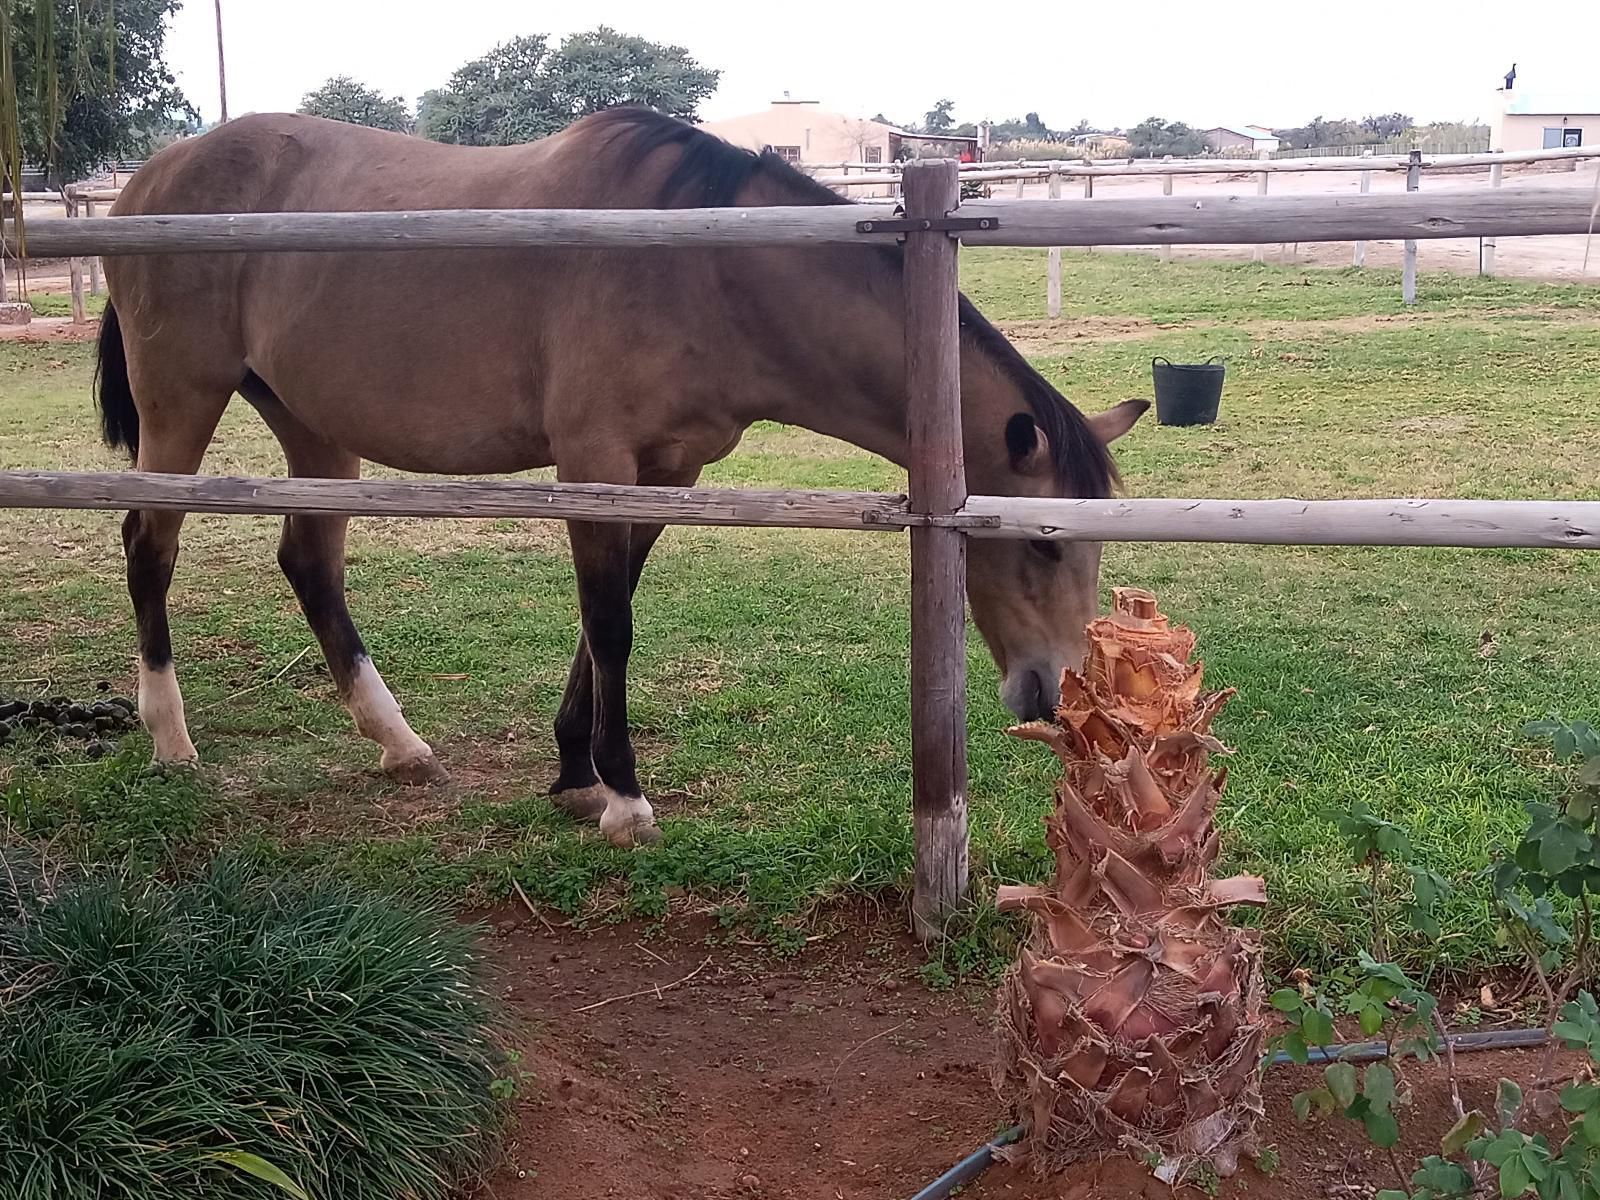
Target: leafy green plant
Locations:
point(505, 1086)
point(1557, 856)
point(237, 1035)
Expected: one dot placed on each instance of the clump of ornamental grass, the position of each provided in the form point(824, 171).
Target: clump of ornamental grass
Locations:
point(238, 1036)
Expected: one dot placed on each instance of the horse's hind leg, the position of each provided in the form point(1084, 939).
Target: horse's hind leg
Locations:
point(311, 553)
point(174, 433)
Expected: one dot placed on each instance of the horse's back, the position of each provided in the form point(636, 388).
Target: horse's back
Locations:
point(287, 162)
point(383, 352)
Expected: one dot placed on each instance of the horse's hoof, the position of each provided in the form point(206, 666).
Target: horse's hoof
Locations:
point(629, 821)
point(417, 772)
point(630, 836)
point(178, 762)
point(582, 804)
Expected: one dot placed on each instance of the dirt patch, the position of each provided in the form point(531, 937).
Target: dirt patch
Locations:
point(1043, 336)
point(1058, 336)
point(835, 1074)
point(44, 330)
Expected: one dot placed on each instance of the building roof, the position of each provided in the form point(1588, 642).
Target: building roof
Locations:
point(1254, 132)
point(1534, 103)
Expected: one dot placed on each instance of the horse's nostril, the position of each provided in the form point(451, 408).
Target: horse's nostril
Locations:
point(1033, 696)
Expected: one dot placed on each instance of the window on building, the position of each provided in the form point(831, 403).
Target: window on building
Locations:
point(790, 154)
point(1571, 138)
point(872, 154)
point(1552, 138)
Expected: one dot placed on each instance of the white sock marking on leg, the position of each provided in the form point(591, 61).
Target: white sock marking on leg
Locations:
point(624, 813)
point(377, 716)
point(161, 710)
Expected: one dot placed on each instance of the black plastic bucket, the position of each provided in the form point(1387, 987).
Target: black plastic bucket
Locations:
point(1188, 393)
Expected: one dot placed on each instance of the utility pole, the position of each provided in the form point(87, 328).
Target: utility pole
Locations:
point(222, 65)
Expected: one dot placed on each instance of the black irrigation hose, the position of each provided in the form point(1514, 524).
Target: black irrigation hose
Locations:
point(1461, 1043)
point(970, 1167)
point(979, 1161)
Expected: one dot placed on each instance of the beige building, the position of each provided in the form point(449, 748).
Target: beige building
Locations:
point(802, 131)
point(1528, 121)
point(1247, 140)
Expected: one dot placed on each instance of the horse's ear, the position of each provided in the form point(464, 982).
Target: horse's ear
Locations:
point(1108, 426)
point(1027, 445)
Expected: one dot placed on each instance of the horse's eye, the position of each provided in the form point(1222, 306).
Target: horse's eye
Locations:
point(1046, 549)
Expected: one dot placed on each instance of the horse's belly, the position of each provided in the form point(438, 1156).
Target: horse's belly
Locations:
point(422, 425)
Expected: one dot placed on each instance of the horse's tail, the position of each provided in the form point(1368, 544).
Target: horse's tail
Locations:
point(118, 417)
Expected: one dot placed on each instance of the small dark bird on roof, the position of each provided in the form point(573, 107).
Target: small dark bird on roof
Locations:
point(1511, 77)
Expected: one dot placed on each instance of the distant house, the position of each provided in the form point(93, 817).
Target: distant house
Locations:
point(1101, 143)
point(1528, 121)
point(806, 134)
point(1239, 139)
point(802, 131)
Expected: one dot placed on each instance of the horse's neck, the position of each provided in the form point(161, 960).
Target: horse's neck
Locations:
point(865, 404)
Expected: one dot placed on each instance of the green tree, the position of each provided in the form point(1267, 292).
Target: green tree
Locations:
point(1320, 131)
point(938, 119)
point(1155, 136)
point(1387, 125)
point(523, 90)
point(345, 99)
point(84, 81)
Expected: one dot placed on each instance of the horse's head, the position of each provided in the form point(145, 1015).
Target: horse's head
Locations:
point(1032, 599)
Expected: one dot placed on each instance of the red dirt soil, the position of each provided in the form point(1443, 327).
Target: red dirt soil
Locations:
point(834, 1075)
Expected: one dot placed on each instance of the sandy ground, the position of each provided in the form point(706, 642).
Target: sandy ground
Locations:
point(695, 1066)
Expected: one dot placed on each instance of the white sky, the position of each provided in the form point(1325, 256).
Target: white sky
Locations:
point(1231, 61)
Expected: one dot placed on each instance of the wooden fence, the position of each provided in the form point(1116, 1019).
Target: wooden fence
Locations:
point(938, 513)
point(82, 201)
point(1414, 164)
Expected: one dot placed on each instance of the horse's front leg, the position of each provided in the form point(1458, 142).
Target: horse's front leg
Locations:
point(577, 789)
point(603, 561)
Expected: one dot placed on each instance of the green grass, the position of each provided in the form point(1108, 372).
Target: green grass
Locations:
point(190, 1038)
point(59, 304)
point(1008, 284)
point(770, 689)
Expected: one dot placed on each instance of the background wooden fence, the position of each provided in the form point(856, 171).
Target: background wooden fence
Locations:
point(84, 201)
point(937, 511)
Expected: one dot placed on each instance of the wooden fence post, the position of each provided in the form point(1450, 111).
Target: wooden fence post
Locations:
point(1022, 183)
point(94, 263)
point(1259, 254)
point(1167, 247)
point(75, 265)
point(1408, 280)
point(1088, 194)
point(1366, 186)
point(1053, 281)
point(1486, 254)
point(1167, 189)
point(938, 484)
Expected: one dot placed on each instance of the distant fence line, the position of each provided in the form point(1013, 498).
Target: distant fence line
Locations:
point(872, 174)
point(1397, 146)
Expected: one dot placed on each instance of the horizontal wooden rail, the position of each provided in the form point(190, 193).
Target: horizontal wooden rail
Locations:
point(1557, 524)
point(1220, 220)
point(1552, 524)
point(1039, 168)
point(456, 498)
point(493, 229)
point(1235, 220)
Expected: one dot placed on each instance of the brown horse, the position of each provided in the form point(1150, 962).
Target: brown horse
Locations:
point(631, 366)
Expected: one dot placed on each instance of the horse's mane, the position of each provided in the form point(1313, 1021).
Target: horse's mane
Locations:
point(712, 173)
